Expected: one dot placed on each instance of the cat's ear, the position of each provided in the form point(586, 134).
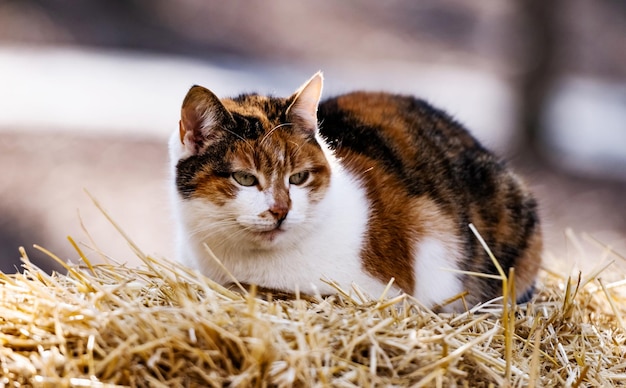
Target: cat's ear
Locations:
point(303, 109)
point(202, 117)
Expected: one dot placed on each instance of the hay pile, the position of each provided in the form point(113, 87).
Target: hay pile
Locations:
point(164, 325)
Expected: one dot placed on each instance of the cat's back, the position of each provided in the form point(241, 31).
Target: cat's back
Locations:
point(405, 137)
point(386, 116)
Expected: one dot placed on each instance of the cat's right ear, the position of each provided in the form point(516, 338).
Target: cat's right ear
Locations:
point(303, 109)
point(201, 119)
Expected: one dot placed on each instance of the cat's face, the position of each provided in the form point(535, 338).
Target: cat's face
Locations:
point(250, 170)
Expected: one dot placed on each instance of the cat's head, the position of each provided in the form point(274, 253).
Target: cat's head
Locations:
point(249, 169)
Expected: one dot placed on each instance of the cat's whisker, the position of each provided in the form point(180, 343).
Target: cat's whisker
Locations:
point(216, 229)
point(269, 133)
point(205, 233)
point(246, 141)
point(212, 225)
point(298, 148)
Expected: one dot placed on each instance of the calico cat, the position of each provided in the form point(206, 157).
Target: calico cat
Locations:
point(360, 188)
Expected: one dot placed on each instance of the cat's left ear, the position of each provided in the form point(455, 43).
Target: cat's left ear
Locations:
point(303, 109)
point(203, 116)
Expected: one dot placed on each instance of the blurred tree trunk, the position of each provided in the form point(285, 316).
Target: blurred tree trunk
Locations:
point(541, 30)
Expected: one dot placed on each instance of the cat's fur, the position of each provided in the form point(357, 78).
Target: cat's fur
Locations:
point(391, 188)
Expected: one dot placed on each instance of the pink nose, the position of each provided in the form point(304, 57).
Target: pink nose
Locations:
point(279, 211)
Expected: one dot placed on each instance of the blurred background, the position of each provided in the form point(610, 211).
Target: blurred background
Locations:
point(90, 91)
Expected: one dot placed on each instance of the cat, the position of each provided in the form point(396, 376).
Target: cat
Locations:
point(357, 189)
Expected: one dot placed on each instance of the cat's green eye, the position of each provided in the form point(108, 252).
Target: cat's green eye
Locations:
point(244, 178)
point(299, 178)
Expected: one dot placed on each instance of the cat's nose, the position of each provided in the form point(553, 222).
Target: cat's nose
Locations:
point(279, 211)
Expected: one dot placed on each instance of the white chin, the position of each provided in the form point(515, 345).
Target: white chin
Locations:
point(267, 239)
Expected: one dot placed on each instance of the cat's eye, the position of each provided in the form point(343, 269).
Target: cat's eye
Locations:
point(244, 178)
point(299, 178)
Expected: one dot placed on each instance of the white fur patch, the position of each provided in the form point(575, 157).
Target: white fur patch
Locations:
point(433, 283)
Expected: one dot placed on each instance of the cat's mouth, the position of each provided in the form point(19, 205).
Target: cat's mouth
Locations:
point(263, 232)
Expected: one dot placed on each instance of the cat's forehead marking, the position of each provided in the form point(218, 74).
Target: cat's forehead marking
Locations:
point(262, 157)
point(270, 108)
point(250, 111)
point(257, 117)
